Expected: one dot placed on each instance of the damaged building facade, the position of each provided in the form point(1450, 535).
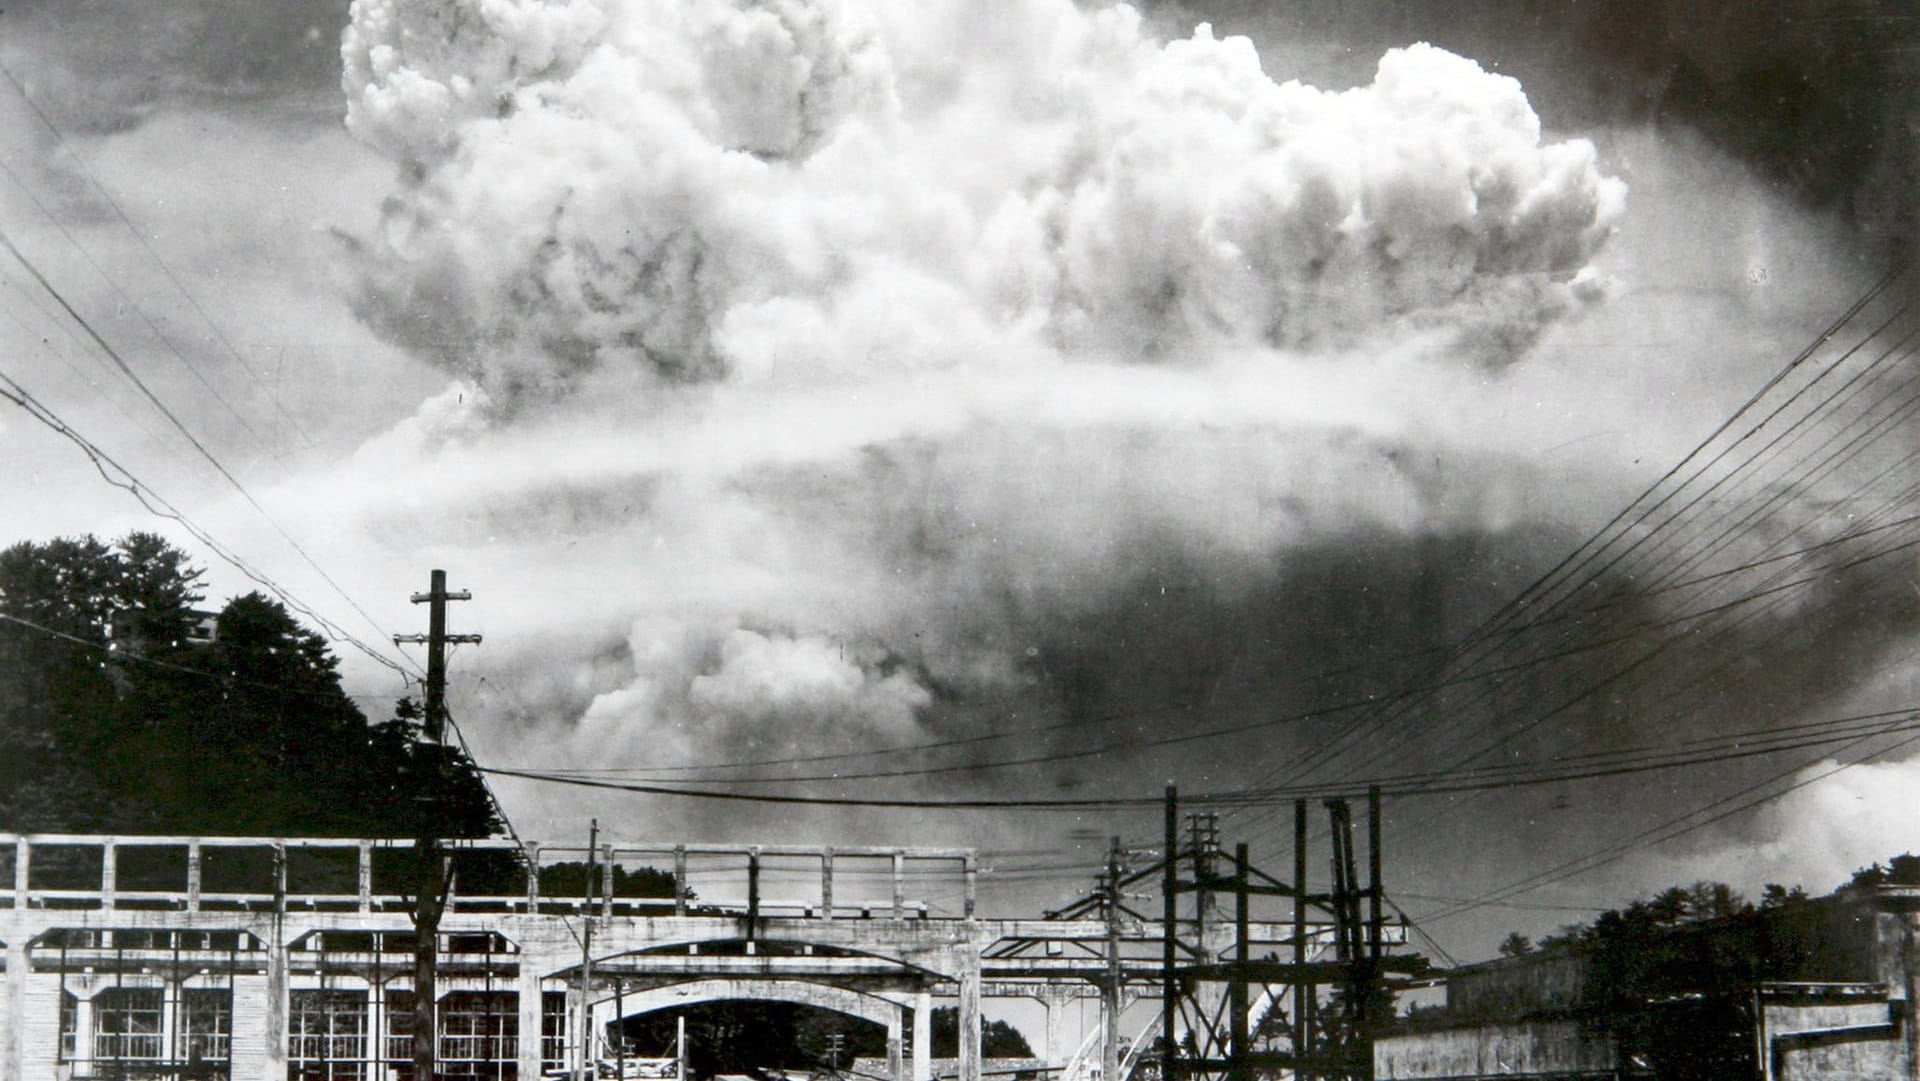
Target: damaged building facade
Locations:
point(1813, 989)
point(280, 959)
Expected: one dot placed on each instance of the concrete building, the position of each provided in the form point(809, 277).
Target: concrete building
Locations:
point(181, 957)
point(269, 959)
point(1820, 989)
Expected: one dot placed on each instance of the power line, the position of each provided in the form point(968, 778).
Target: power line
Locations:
point(1478, 674)
point(1694, 688)
point(1747, 743)
point(1630, 634)
point(106, 466)
point(493, 797)
point(1864, 436)
point(155, 662)
point(925, 747)
point(1432, 783)
point(1592, 550)
point(120, 362)
point(87, 255)
point(1531, 906)
point(93, 385)
point(1612, 853)
point(831, 801)
point(165, 269)
point(1779, 585)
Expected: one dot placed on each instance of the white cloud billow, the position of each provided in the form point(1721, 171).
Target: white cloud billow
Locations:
point(862, 350)
point(695, 190)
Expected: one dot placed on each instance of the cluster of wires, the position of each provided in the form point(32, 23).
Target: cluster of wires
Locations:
point(1772, 534)
point(1787, 530)
point(1750, 743)
point(53, 310)
point(119, 476)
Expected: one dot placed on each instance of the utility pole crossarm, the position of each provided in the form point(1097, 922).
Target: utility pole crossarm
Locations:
point(442, 594)
point(437, 640)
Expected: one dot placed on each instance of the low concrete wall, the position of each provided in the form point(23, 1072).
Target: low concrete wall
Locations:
point(1860, 1042)
point(1509, 989)
point(1540, 1048)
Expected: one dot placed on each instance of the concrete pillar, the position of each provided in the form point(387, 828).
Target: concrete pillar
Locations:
point(826, 884)
point(22, 875)
point(376, 1021)
point(970, 1016)
point(533, 878)
point(679, 880)
point(83, 1032)
point(171, 1038)
point(1110, 1007)
point(1051, 1048)
point(193, 876)
point(109, 876)
point(896, 1065)
point(922, 1037)
point(528, 983)
point(606, 883)
point(1903, 984)
point(278, 1005)
point(16, 1010)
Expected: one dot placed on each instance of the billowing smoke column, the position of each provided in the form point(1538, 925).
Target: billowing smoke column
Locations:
point(892, 358)
point(700, 191)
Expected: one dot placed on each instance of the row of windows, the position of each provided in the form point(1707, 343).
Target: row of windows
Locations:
point(129, 1023)
point(333, 1035)
point(475, 1026)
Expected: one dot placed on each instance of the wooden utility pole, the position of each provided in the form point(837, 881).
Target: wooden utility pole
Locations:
point(437, 640)
point(1240, 1053)
point(586, 1061)
point(1110, 989)
point(430, 879)
point(1169, 934)
point(1305, 994)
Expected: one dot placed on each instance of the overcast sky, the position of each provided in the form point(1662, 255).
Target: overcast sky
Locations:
point(816, 378)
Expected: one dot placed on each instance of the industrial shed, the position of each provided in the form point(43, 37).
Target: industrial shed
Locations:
point(1819, 989)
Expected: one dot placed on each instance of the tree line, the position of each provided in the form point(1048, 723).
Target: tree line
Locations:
point(116, 717)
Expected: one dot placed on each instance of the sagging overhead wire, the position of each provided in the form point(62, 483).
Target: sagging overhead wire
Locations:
point(60, 355)
point(1699, 680)
point(1118, 803)
point(1596, 548)
point(73, 242)
point(119, 476)
point(140, 236)
point(232, 480)
point(1678, 826)
point(1668, 830)
point(1678, 621)
point(493, 797)
point(1848, 730)
point(1683, 622)
point(1763, 592)
point(1322, 712)
point(155, 662)
point(1601, 551)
